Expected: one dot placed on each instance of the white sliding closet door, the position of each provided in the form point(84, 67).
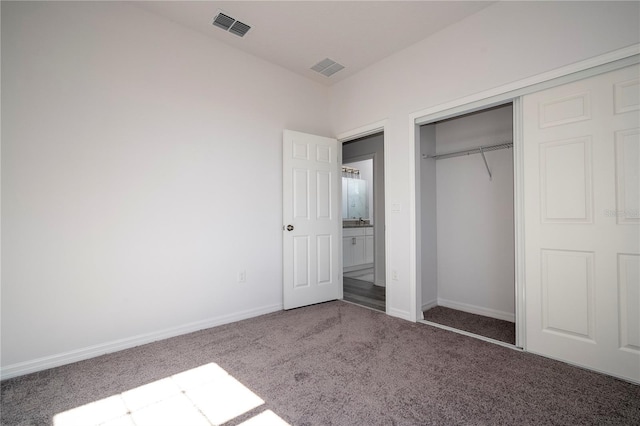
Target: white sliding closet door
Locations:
point(582, 222)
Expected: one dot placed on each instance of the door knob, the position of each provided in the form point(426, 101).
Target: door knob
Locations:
point(289, 227)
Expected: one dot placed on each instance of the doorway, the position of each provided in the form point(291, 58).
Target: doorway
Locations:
point(363, 217)
point(467, 238)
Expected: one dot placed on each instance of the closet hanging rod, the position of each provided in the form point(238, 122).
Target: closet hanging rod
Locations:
point(477, 150)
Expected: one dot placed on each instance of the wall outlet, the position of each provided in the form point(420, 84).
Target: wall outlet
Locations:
point(394, 275)
point(242, 276)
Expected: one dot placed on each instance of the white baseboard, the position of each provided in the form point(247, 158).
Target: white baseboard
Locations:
point(379, 283)
point(430, 304)
point(57, 360)
point(357, 267)
point(478, 310)
point(405, 315)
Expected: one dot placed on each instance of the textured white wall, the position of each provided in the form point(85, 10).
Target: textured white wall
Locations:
point(141, 170)
point(503, 43)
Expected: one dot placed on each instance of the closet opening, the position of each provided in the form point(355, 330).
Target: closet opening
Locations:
point(465, 192)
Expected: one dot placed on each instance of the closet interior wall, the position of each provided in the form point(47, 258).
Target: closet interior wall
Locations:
point(467, 219)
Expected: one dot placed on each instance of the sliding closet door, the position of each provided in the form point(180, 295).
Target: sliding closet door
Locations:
point(582, 222)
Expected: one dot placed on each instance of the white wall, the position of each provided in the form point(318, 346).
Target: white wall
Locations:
point(426, 189)
point(141, 170)
point(121, 131)
point(505, 42)
point(475, 226)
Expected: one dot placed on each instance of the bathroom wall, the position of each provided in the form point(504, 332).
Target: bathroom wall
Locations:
point(366, 174)
point(367, 146)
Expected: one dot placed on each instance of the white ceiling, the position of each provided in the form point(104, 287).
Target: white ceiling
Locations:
point(298, 34)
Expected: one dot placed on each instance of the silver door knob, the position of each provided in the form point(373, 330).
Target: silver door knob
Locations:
point(289, 227)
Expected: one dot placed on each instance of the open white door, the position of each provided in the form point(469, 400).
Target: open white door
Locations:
point(582, 222)
point(311, 219)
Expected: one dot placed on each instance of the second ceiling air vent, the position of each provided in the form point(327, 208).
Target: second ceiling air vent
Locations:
point(230, 24)
point(327, 67)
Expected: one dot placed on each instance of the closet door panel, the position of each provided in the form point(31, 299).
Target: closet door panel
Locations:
point(582, 226)
point(565, 168)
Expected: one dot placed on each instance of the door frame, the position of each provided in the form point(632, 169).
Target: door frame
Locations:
point(348, 136)
point(511, 92)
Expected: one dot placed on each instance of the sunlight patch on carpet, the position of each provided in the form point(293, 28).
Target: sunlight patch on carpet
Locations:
point(201, 396)
point(266, 418)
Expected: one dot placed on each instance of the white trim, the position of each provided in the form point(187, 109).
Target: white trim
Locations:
point(415, 296)
point(482, 100)
point(357, 267)
point(475, 336)
point(430, 304)
point(76, 355)
point(361, 132)
point(518, 216)
point(340, 253)
point(626, 52)
point(478, 310)
point(398, 313)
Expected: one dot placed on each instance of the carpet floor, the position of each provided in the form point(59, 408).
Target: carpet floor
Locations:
point(504, 331)
point(328, 364)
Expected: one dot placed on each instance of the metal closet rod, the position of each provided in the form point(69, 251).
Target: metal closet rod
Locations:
point(478, 150)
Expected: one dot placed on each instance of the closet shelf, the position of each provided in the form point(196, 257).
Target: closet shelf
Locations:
point(478, 150)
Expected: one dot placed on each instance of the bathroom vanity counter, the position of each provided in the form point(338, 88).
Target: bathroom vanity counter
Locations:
point(356, 223)
point(357, 246)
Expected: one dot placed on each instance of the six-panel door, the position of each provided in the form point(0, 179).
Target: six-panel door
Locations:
point(582, 217)
point(311, 249)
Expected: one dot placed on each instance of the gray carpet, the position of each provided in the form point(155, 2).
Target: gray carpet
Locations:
point(504, 331)
point(339, 364)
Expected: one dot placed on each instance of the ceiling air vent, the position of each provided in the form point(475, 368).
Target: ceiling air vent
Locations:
point(230, 24)
point(327, 67)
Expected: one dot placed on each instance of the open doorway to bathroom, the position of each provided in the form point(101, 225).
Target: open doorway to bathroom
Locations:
point(363, 222)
